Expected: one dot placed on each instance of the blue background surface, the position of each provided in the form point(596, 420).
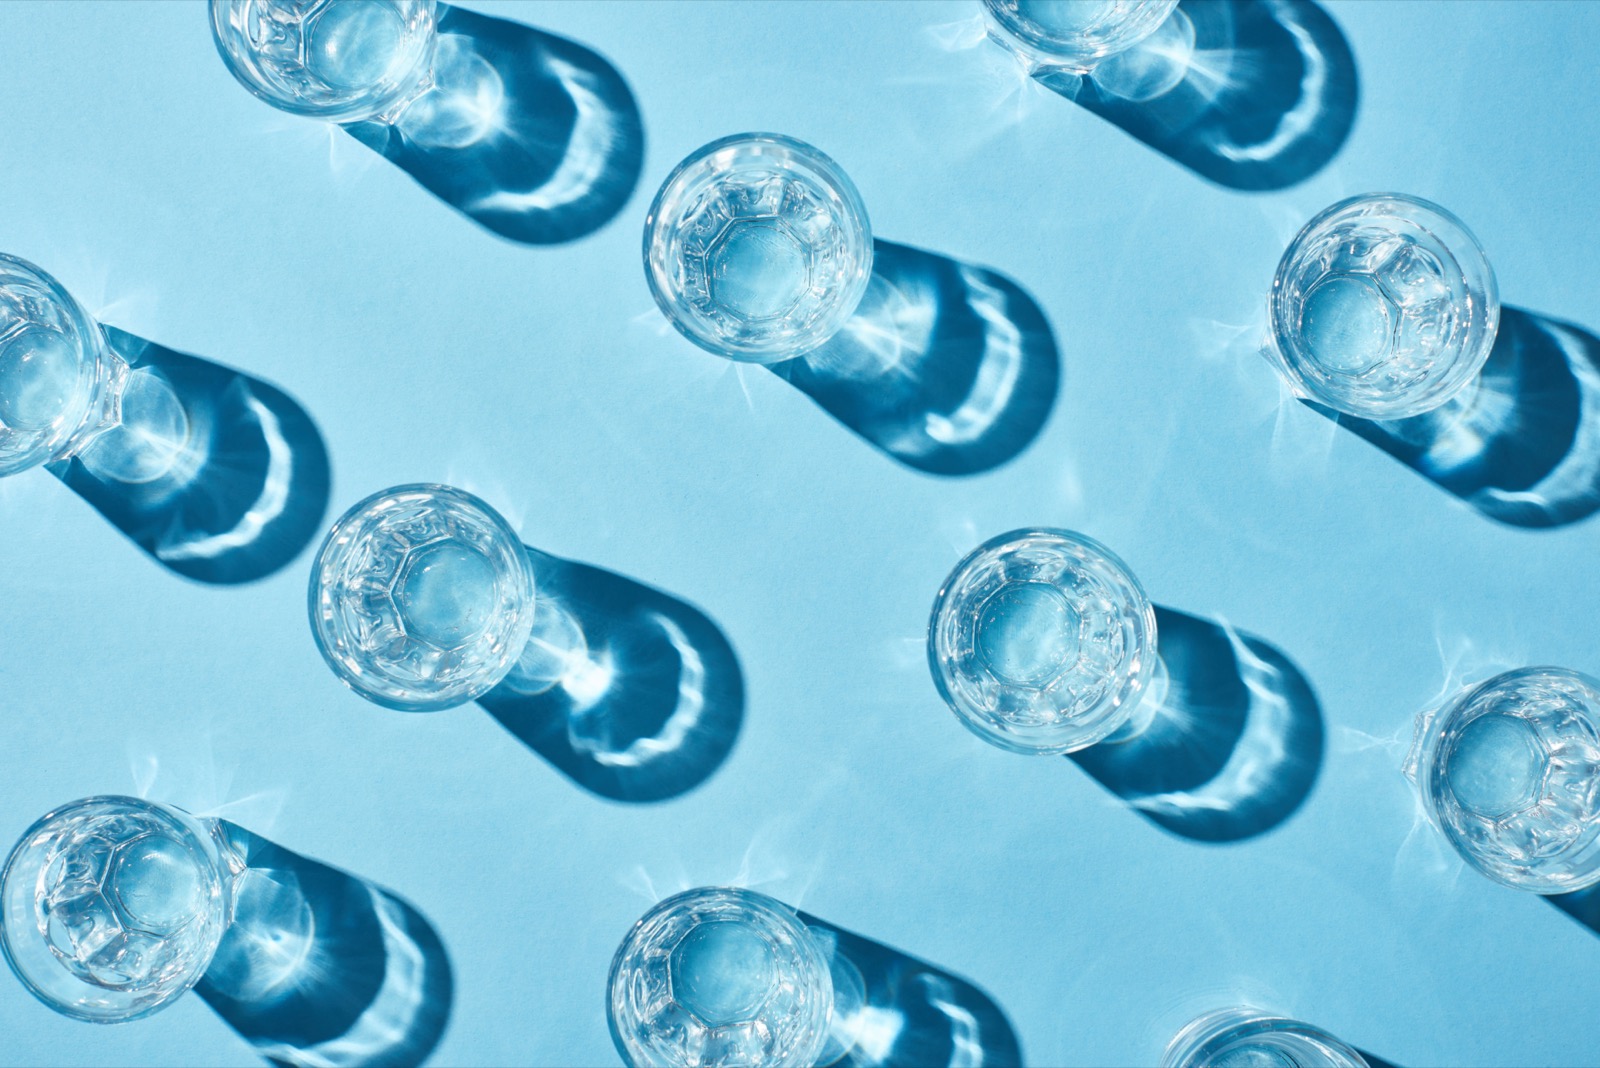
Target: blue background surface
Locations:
point(177, 206)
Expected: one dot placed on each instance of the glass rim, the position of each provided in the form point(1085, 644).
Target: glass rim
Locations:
point(94, 352)
point(1468, 256)
point(453, 698)
point(177, 817)
point(395, 92)
point(824, 169)
point(1146, 610)
point(774, 907)
point(1043, 50)
point(1428, 759)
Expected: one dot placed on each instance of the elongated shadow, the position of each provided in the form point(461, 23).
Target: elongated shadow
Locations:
point(320, 967)
point(530, 135)
point(948, 368)
point(1235, 744)
point(1251, 94)
point(631, 693)
point(219, 476)
point(892, 1009)
point(1522, 445)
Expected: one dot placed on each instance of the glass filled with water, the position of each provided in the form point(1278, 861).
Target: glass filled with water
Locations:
point(421, 598)
point(720, 977)
point(338, 60)
point(758, 248)
point(1509, 770)
point(113, 906)
point(1383, 307)
point(1248, 1038)
point(1042, 641)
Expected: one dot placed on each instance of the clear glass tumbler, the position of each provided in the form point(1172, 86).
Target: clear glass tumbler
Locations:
point(60, 383)
point(338, 60)
point(1248, 1038)
point(758, 248)
point(113, 906)
point(720, 977)
point(1509, 770)
point(422, 598)
point(1072, 35)
point(1042, 641)
point(1383, 307)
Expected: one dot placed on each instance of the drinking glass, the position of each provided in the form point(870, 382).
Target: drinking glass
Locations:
point(112, 907)
point(1383, 307)
point(717, 977)
point(1247, 1038)
point(338, 60)
point(421, 598)
point(757, 248)
point(1509, 770)
point(60, 384)
point(1072, 35)
point(1042, 641)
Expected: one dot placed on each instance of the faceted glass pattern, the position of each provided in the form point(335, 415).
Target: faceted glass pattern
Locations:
point(1510, 771)
point(1383, 307)
point(718, 977)
point(59, 383)
point(758, 248)
point(113, 907)
point(339, 60)
point(1042, 641)
point(421, 598)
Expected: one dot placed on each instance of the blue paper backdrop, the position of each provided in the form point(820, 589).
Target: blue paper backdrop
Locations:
point(178, 207)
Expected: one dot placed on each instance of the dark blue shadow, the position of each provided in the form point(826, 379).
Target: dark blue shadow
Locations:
point(891, 1009)
point(1235, 744)
point(1375, 1062)
point(631, 693)
point(532, 136)
point(1265, 99)
point(1522, 444)
point(320, 967)
point(1581, 905)
point(217, 475)
point(948, 368)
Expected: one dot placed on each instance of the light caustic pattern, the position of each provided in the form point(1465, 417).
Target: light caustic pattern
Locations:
point(423, 598)
point(1042, 641)
point(126, 906)
point(720, 977)
point(1518, 777)
point(338, 59)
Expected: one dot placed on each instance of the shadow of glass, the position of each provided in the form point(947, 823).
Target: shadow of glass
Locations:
point(1581, 905)
point(532, 136)
point(1374, 1061)
point(891, 1009)
point(1251, 94)
point(948, 368)
point(1522, 445)
point(1235, 744)
point(322, 968)
point(219, 476)
point(629, 692)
